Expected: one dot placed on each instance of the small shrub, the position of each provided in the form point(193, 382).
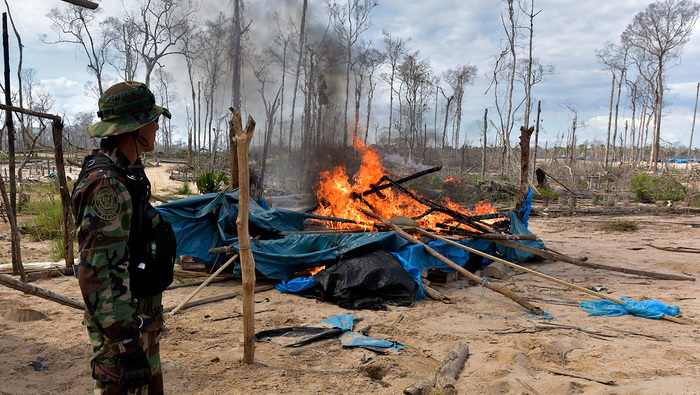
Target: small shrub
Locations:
point(210, 183)
point(648, 189)
point(184, 189)
point(545, 192)
point(620, 225)
point(435, 182)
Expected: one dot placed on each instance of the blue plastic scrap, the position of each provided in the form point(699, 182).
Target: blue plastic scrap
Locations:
point(354, 339)
point(295, 285)
point(343, 322)
point(645, 308)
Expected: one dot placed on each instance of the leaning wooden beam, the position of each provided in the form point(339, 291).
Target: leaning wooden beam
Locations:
point(503, 291)
point(538, 274)
point(399, 181)
point(40, 292)
point(203, 284)
point(242, 143)
point(563, 258)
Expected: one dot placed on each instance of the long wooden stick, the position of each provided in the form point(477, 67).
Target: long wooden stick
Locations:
point(243, 138)
point(503, 291)
point(563, 258)
point(261, 288)
point(550, 278)
point(40, 292)
point(203, 284)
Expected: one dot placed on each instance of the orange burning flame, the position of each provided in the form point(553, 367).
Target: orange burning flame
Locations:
point(334, 192)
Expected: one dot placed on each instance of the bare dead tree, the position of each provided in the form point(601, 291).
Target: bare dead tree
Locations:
point(396, 49)
point(457, 78)
point(262, 74)
point(660, 31)
point(79, 26)
point(160, 25)
point(302, 38)
point(239, 29)
point(350, 20)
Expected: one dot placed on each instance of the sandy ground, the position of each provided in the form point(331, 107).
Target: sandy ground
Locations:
point(511, 351)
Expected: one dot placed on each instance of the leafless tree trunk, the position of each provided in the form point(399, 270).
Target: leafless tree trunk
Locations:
point(302, 38)
point(692, 129)
point(395, 50)
point(349, 22)
point(483, 146)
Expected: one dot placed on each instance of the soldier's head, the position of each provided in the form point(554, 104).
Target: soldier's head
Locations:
point(128, 108)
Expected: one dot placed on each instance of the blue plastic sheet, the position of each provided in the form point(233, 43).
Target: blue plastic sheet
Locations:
point(295, 285)
point(206, 221)
point(354, 339)
point(343, 322)
point(645, 308)
point(415, 273)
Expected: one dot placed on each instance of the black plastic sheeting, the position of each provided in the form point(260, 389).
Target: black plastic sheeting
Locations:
point(367, 282)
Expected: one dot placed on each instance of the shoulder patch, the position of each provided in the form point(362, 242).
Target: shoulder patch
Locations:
point(106, 204)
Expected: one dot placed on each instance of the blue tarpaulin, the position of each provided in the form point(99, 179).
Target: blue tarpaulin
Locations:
point(206, 221)
point(644, 308)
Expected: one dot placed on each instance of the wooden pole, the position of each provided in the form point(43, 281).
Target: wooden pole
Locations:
point(563, 258)
point(203, 284)
point(525, 134)
point(57, 132)
point(12, 177)
point(538, 274)
point(242, 142)
point(503, 291)
point(40, 292)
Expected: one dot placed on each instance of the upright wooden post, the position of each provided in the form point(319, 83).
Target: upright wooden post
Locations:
point(12, 177)
point(525, 134)
point(483, 146)
point(242, 142)
point(57, 132)
point(233, 159)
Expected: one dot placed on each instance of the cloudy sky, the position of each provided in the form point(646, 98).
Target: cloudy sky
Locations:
point(447, 33)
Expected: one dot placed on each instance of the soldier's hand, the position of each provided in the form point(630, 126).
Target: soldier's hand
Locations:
point(135, 371)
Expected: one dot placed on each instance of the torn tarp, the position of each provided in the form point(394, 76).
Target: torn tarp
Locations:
point(330, 327)
point(207, 221)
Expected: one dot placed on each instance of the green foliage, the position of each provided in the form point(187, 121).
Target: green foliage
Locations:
point(545, 192)
point(47, 222)
point(620, 225)
point(649, 189)
point(210, 183)
point(435, 182)
point(184, 189)
point(56, 251)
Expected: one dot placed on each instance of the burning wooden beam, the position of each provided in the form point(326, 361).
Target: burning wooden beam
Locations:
point(399, 181)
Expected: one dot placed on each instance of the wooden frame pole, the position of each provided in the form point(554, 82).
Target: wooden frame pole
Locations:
point(242, 142)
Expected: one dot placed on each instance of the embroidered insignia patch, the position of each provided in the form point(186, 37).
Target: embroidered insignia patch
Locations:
point(106, 204)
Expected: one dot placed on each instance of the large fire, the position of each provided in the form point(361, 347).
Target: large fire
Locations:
point(335, 194)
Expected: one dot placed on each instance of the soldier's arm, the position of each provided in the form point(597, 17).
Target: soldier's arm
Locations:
point(103, 227)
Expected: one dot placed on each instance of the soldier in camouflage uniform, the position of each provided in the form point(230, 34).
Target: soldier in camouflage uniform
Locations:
point(124, 330)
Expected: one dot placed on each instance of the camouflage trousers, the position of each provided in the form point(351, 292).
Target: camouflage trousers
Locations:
point(105, 365)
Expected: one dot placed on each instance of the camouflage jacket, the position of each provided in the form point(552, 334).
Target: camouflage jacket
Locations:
point(103, 209)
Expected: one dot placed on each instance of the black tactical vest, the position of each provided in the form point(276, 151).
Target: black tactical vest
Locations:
point(152, 243)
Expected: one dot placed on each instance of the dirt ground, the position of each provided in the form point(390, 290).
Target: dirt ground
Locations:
point(511, 351)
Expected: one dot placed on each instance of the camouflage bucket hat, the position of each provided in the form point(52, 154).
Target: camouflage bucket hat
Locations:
point(125, 107)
